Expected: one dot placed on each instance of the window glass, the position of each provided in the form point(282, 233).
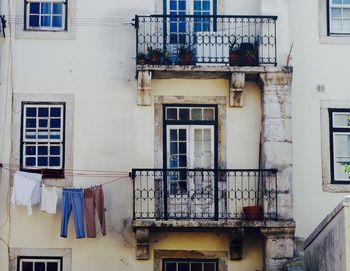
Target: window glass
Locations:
point(339, 11)
point(341, 143)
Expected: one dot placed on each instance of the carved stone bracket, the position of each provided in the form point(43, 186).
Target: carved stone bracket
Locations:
point(144, 87)
point(142, 244)
point(236, 244)
point(236, 89)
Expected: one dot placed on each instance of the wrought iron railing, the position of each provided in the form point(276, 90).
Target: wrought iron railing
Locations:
point(209, 38)
point(203, 193)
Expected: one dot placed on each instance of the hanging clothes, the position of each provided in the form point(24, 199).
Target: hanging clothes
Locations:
point(26, 189)
point(94, 198)
point(48, 199)
point(73, 199)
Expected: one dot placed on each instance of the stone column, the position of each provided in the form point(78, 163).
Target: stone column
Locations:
point(144, 87)
point(279, 247)
point(276, 137)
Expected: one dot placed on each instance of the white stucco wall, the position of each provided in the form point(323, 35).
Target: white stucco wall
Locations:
point(314, 63)
point(110, 131)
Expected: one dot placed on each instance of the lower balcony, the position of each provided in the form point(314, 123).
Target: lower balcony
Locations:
point(192, 195)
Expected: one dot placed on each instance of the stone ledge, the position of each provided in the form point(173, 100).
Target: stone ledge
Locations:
point(209, 224)
point(207, 71)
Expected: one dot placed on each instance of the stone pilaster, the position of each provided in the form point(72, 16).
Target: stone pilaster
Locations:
point(279, 247)
point(144, 87)
point(276, 137)
point(142, 244)
point(236, 89)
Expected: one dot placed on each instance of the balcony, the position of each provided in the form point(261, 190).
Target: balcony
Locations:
point(203, 194)
point(206, 40)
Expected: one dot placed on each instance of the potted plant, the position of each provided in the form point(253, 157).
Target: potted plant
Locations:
point(347, 169)
point(234, 52)
point(185, 54)
point(254, 212)
point(141, 58)
point(248, 54)
point(154, 55)
point(167, 58)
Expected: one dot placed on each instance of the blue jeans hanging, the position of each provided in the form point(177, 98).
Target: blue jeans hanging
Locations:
point(73, 199)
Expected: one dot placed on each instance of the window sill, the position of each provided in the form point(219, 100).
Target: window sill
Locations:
point(336, 188)
point(44, 34)
point(335, 39)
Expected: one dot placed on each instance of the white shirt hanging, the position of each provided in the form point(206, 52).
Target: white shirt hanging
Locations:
point(26, 189)
point(49, 199)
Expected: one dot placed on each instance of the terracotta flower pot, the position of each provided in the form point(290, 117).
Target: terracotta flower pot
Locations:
point(234, 59)
point(186, 59)
point(154, 59)
point(253, 212)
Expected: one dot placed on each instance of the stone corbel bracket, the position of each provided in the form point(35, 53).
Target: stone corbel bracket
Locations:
point(144, 88)
point(236, 244)
point(237, 84)
point(142, 244)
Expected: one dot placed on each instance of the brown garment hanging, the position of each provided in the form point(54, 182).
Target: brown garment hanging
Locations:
point(93, 198)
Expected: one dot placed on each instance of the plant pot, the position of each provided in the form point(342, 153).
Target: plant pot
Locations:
point(253, 212)
point(248, 60)
point(141, 62)
point(233, 59)
point(154, 59)
point(186, 59)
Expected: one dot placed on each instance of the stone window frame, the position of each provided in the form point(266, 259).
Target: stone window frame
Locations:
point(66, 34)
point(323, 26)
point(64, 253)
point(159, 101)
point(68, 99)
point(327, 184)
point(160, 255)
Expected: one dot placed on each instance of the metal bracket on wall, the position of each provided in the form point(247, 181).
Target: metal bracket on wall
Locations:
point(236, 89)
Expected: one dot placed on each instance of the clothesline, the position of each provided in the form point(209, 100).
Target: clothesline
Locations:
point(74, 172)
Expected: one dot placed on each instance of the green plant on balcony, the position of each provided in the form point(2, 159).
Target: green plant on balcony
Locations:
point(154, 55)
point(234, 53)
point(167, 58)
point(347, 169)
point(185, 54)
point(141, 58)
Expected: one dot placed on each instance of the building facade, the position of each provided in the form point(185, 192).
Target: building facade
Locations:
point(192, 110)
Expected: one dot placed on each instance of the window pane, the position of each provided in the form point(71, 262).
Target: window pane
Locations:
point(336, 25)
point(27, 266)
point(31, 112)
point(182, 161)
point(34, 8)
point(196, 114)
point(197, 5)
point(346, 12)
point(341, 155)
point(55, 112)
point(43, 123)
point(52, 266)
point(54, 150)
point(57, 8)
point(30, 150)
point(31, 123)
point(30, 161)
point(55, 123)
point(57, 21)
point(209, 114)
point(45, 8)
point(42, 161)
point(209, 267)
point(33, 20)
point(184, 113)
point(170, 266)
point(45, 21)
point(173, 148)
point(55, 162)
point(182, 5)
point(347, 2)
point(182, 134)
point(171, 114)
point(39, 266)
point(43, 112)
point(196, 267)
point(183, 267)
point(336, 12)
point(182, 148)
point(42, 150)
point(346, 25)
point(173, 135)
point(206, 5)
point(336, 1)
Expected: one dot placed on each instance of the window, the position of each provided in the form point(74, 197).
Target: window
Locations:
point(39, 263)
point(339, 16)
point(339, 123)
point(190, 265)
point(42, 138)
point(48, 15)
point(190, 142)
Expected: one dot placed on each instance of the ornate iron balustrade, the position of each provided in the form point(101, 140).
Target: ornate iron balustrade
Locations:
point(208, 37)
point(203, 193)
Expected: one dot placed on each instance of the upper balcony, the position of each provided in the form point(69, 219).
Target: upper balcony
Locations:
point(166, 43)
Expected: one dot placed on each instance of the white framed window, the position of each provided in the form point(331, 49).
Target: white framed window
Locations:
point(339, 16)
point(190, 265)
point(339, 145)
point(42, 138)
point(46, 15)
point(39, 263)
